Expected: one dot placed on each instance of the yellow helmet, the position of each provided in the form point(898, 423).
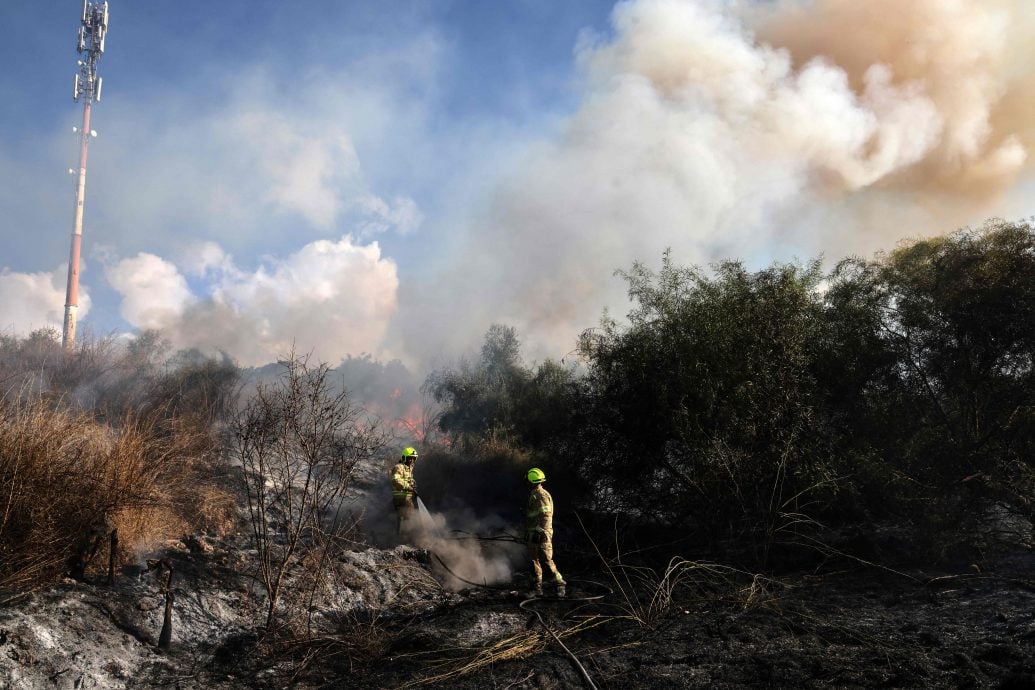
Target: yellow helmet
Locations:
point(409, 454)
point(536, 476)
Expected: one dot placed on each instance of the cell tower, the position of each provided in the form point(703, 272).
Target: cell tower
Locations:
point(87, 88)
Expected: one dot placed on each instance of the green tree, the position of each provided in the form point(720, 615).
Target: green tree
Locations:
point(958, 315)
point(498, 397)
point(705, 403)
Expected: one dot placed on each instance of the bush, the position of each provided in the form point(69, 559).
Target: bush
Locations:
point(66, 479)
point(501, 417)
point(783, 405)
point(760, 405)
point(114, 378)
point(947, 397)
point(706, 404)
point(488, 481)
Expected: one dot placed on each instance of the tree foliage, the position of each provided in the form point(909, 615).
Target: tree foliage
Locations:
point(706, 401)
point(952, 407)
point(499, 397)
point(759, 405)
point(501, 416)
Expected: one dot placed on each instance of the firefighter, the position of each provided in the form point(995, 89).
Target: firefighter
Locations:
point(404, 489)
point(539, 533)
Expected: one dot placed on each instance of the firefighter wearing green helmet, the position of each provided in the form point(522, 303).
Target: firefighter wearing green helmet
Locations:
point(404, 489)
point(539, 533)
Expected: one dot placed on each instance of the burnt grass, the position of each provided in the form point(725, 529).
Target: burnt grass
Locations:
point(834, 624)
point(858, 627)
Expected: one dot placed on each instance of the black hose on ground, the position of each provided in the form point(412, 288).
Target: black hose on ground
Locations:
point(467, 536)
point(483, 585)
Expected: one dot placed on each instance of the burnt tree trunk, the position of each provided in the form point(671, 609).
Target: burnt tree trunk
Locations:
point(165, 637)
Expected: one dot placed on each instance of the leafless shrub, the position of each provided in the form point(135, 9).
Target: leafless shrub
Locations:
point(298, 442)
point(113, 377)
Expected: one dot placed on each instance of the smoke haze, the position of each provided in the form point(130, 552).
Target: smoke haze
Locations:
point(331, 298)
point(753, 130)
point(33, 301)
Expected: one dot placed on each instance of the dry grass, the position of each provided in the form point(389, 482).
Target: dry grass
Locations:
point(519, 646)
point(66, 478)
point(646, 595)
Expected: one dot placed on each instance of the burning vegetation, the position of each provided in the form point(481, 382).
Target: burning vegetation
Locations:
point(737, 461)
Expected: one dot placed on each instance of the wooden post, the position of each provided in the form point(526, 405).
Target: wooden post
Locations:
point(113, 547)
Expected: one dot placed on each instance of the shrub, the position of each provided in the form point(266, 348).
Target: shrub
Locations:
point(66, 479)
point(298, 443)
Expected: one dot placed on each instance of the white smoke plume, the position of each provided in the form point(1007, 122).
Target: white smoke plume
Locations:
point(31, 301)
point(154, 293)
point(753, 131)
point(328, 298)
point(969, 60)
point(453, 535)
point(461, 558)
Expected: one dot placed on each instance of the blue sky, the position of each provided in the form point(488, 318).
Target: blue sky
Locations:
point(442, 72)
point(461, 63)
point(391, 177)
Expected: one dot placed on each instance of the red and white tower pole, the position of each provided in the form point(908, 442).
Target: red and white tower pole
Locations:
point(72, 289)
point(90, 44)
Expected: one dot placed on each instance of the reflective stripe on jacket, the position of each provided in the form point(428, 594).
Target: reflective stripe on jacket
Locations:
point(539, 517)
point(402, 480)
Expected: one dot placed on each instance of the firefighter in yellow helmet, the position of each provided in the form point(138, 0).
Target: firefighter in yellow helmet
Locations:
point(539, 533)
point(404, 489)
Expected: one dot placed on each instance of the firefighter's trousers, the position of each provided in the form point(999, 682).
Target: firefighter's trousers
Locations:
point(542, 559)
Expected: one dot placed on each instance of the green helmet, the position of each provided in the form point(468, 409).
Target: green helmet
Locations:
point(536, 476)
point(409, 454)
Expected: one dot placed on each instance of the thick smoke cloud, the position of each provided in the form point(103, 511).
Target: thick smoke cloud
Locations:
point(714, 128)
point(754, 131)
point(154, 292)
point(30, 301)
point(331, 298)
point(970, 60)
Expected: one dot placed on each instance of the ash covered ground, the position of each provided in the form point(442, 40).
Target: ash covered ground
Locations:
point(389, 615)
point(391, 623)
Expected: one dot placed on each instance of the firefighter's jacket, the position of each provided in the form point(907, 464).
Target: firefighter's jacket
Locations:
point(402, 482)
point(539, 517)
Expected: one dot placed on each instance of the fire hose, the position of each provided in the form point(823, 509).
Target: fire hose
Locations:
point(478, 537)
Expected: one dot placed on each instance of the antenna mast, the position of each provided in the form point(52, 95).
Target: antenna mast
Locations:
point(86, 88)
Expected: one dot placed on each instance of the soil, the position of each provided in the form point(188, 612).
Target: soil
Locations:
point(391, 626)
point(853, 629)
